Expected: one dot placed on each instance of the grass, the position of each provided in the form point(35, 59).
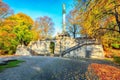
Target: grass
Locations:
point(117, 59)
point(108, 59)
point(10, 65)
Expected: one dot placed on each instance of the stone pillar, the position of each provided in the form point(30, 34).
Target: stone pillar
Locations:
point(63, 19)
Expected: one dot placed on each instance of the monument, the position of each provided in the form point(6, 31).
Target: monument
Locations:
point(64, 32)
point(63, 18)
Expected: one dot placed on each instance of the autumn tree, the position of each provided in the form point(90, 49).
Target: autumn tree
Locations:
point(4, 11)
point(7, 38)
point(72, 26)
point(45, 26)
point(100, 19)
point(15, 30)
point(22, 28)
point(8, 41)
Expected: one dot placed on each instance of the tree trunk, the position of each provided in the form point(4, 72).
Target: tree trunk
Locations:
point(117, 19)
point(74, 31)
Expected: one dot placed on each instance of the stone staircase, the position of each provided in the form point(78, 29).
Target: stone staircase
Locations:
point(67, 47)
point(91, 49)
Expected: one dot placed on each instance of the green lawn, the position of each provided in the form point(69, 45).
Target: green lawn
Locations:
point(117, 59)
point(10, 65)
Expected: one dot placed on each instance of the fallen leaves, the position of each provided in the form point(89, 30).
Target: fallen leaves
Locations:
point(102, 72)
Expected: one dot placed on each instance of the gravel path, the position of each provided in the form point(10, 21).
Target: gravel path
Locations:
point(47, 68)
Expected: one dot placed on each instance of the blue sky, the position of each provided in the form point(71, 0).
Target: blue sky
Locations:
point(39, 8)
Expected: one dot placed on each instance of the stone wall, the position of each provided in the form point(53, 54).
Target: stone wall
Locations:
point(86, 51)
point(66, 46)
point(61, 44)
point(23, 50)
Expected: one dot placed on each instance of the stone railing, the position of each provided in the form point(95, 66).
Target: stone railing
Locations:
point(89, 49)
point(66, 47)
point(43, 47)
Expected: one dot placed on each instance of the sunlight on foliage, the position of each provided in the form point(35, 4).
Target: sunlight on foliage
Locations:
point(100, 19)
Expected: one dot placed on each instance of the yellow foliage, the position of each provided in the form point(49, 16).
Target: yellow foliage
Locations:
point(98, 20)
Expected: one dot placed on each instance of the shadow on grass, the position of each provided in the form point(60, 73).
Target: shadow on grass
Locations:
point(117, 59)
point(10, 64)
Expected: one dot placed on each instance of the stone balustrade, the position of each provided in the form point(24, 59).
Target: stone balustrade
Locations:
point(66, 47)
point(85, 50)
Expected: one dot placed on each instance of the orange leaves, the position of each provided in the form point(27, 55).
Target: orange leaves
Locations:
point(14, 29)
point(7, 26)
point(104, 72)
point(118, 1)
point(100, 20)
point(109, 20)
point(72, 16)
point(21, 19)
point(3, 7)
point(45, 26)
point(4, 10)
point(26, 19)
point(3, 34)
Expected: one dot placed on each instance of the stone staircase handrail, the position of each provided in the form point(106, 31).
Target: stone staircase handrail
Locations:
point(77, 46)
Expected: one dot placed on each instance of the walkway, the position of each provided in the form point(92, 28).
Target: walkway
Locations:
point(47, 68)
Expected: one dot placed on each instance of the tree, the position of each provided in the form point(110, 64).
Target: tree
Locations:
point(72, 26)
point(14, 30)
point(22, 28)
point(4, 10)
point(7, 42)
point(100, 22)
point(45, 26)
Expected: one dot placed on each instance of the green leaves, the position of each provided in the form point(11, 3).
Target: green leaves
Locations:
point(16, 29)
point(22, 28)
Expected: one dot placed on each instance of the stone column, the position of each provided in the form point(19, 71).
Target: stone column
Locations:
point(64, 16)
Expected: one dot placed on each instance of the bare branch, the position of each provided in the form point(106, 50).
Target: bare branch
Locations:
point(109, 29)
